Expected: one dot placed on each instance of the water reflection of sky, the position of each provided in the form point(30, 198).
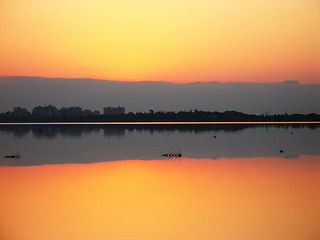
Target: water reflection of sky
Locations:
point(54, 144)
point(230, 199)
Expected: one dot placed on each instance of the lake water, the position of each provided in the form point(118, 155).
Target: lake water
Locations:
point(97, 182)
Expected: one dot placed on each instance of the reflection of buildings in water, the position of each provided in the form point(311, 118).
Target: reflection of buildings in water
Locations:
point(64, 131)
point(17, 131)
point(113, 132)
point(20, 132)
point(46, 132)
point(52, 131)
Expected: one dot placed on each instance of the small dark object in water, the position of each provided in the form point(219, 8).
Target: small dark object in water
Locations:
point(291, 133)
point(281, 151)
point(214, 136)
point(173, 154)
point(40, 130)
point(13, 156)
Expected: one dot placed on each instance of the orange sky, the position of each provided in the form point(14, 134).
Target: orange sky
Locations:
point(169, 40)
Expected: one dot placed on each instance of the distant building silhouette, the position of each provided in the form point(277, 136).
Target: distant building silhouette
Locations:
point(19, 112)
point(113, 110)
point(47, 111)
point(116, 114)
point(87, 113)
point(96, 113)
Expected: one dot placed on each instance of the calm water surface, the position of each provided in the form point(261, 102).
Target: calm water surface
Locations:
point(111, 182)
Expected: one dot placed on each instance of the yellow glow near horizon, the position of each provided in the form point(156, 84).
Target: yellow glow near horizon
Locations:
point(170, 40)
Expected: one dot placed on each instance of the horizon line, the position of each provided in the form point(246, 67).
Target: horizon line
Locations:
point(292, 81)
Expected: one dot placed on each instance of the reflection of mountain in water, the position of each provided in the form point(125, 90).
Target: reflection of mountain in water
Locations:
point(85, 143)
